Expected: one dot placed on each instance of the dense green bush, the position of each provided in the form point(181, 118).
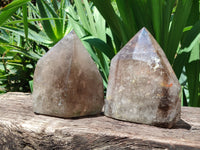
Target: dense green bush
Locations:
point(104, 26)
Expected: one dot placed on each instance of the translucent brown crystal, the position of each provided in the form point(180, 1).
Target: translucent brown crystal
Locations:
point(142, 86)
point(67, 82)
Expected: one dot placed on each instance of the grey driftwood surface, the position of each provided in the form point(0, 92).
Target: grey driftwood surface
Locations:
point(20, 129)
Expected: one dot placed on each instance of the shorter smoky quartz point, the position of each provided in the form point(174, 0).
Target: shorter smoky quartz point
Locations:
point(67, 82)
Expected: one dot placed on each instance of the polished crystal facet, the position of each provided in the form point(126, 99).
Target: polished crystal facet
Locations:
point(142, 86)
point(67, 82)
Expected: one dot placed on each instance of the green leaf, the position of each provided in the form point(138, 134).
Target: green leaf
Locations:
point(107, 11)
point(168, 6)
point(25, 15)
point(100, 25)
point(127, 16)
point(46, 23)
point(194, 14)
point(56, 25)
point(27, 54)
point(81, 14)
point(193, 74)
point(191, 35)
point(100, 45)
point(195, 53)
point(10, 9)
point(190, 39)
point(15, 4)
point(63, 6)
point(31, 85)
point(176, 30)
point(157, 8)
point(5, 15)
point(90, 17)
point(20, 50)
point(32, 34)
point(55, 5)
point(31, 20)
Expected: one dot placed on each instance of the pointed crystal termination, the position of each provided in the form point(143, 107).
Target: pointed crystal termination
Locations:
point(67, 82)
point(142, 86)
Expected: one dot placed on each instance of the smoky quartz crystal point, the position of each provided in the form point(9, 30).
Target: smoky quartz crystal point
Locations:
point(142, 86)
point(67, 82)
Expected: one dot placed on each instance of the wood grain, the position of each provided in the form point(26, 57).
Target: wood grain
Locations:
point(20, 129)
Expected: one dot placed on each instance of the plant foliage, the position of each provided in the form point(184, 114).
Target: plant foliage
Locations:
point(27, 31)
point(174, 24)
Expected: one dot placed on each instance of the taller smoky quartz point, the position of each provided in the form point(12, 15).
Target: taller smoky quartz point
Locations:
point(67, 82)
point(142, 86)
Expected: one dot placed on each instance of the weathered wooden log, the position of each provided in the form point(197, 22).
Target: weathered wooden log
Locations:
point(20, 129)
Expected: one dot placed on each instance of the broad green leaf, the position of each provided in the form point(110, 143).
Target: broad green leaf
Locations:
point(183, 56)
point(100, 24)
point(100, 45)
point(188, 42)
point(195, 13)
point(193, 71)
point(193, 75)
point(143, 15)
point(127, 16)
point(195, 52)
point(157, 18)
point(191, 35)
point(176, 30)
point(107, 11)
point(167, 14)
